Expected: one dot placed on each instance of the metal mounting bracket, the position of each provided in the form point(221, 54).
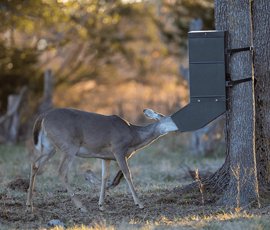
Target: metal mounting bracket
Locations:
point(237, 50)
point(230, 83)
point(229, 52)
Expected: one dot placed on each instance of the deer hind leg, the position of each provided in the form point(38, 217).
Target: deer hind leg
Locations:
point(105, 176)
point(63, 172)
point(36, 166)
point(122, 162)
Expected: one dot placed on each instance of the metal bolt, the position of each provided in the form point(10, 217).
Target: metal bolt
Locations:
point(199, 100)
point(216, 100)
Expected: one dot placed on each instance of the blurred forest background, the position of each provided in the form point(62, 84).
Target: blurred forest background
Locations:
point(104, 56)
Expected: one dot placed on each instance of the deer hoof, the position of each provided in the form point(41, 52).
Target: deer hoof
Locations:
point(83, 209)
point(29, 208)
point(140, 206)
point(101, 207)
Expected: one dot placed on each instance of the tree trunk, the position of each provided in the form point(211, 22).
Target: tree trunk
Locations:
point(261, 38)
point(243, 187)
point(47, 103)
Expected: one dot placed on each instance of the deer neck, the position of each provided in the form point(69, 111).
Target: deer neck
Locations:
point(145, 135)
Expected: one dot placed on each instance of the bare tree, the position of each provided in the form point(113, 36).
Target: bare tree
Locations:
point(46, 102)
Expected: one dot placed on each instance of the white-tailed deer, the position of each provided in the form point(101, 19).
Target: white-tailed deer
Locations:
point(82, 134)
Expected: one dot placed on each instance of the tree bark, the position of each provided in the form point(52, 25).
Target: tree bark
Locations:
point(243, 187)
point(261, 43)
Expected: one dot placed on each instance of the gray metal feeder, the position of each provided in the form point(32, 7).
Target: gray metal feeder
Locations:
point(207, 80)
point(209, 75)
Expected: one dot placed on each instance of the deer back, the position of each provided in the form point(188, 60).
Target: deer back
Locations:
point(84, 128)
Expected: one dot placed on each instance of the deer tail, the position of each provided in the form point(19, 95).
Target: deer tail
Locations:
point(37, 128)
point(116, 180)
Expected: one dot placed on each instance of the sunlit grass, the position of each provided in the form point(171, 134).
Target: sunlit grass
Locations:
point(235, 221)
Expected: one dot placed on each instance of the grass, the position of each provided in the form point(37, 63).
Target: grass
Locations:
point(156, 171)
point(235, 221)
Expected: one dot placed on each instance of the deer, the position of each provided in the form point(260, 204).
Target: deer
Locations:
point(77, 133)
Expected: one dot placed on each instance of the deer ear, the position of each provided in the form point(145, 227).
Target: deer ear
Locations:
point(152, 114)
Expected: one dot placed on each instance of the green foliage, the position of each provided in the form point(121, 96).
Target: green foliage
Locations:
point(104, 32)
point(89, 34)
point(180, 13)
point(17, 69)
point(83, 40)
point(18, 59)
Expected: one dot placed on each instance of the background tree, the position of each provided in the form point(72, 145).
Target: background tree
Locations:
point(241, 190)
point(261, 36)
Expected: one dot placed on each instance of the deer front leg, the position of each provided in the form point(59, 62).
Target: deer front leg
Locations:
point(105, 175)
point(122, 162)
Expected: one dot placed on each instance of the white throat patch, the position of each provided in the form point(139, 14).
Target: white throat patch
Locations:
point(167, 125)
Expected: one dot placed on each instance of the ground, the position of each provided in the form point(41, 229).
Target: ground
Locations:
point(157, 170)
